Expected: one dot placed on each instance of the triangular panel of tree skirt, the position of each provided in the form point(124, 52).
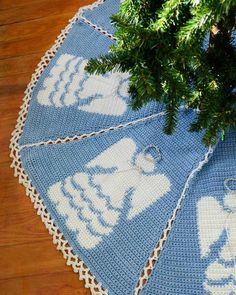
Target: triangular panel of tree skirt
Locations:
point(67, 101)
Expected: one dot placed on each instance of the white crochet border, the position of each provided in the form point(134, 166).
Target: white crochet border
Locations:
point(58, 239)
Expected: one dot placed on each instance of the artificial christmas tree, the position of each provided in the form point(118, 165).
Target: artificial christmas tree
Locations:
point(178, 52)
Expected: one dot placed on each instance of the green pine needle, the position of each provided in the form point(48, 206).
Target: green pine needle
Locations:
point(178, 52)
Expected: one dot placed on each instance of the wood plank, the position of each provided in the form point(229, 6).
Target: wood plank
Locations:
point(20, 65)
point(16, 48)
point(5, 141)
point(13, 198)
point(15, 83)
point(35, 27)
point(8, 4)
point(63, 283)
point(31, 259)
point(21, 227)
point(39, 9)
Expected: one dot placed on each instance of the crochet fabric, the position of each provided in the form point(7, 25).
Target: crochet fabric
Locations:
point(132, 209)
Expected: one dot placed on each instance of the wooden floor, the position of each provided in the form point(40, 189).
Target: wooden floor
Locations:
point(29, 262)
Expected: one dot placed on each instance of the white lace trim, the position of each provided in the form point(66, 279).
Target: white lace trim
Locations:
point(58, 239)
point(97, 28)
point(150, 265)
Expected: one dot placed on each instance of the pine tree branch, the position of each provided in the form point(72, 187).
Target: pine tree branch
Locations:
point(178, 52)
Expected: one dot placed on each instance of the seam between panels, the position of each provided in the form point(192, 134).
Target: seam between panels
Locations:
point(61, 243)
point(91, 24)
point(154, 256)
point(79, 137)
point(92, 134)
point(98, 28)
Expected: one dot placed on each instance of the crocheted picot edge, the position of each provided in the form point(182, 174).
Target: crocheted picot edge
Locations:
point(61, 243)
point(58, 239)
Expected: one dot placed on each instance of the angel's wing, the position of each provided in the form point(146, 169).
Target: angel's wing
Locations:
point(108, 91)
point(211, 222)
point(114, 106)
point(119, 156)
point(150, 188)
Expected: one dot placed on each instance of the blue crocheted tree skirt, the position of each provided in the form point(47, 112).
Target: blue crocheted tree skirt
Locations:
point(133, 211)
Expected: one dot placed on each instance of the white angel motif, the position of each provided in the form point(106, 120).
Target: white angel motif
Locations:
point(68, 83)
point(92, 201)
point(213, 220)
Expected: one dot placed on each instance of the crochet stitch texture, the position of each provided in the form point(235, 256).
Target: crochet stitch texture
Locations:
point(108, 183)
